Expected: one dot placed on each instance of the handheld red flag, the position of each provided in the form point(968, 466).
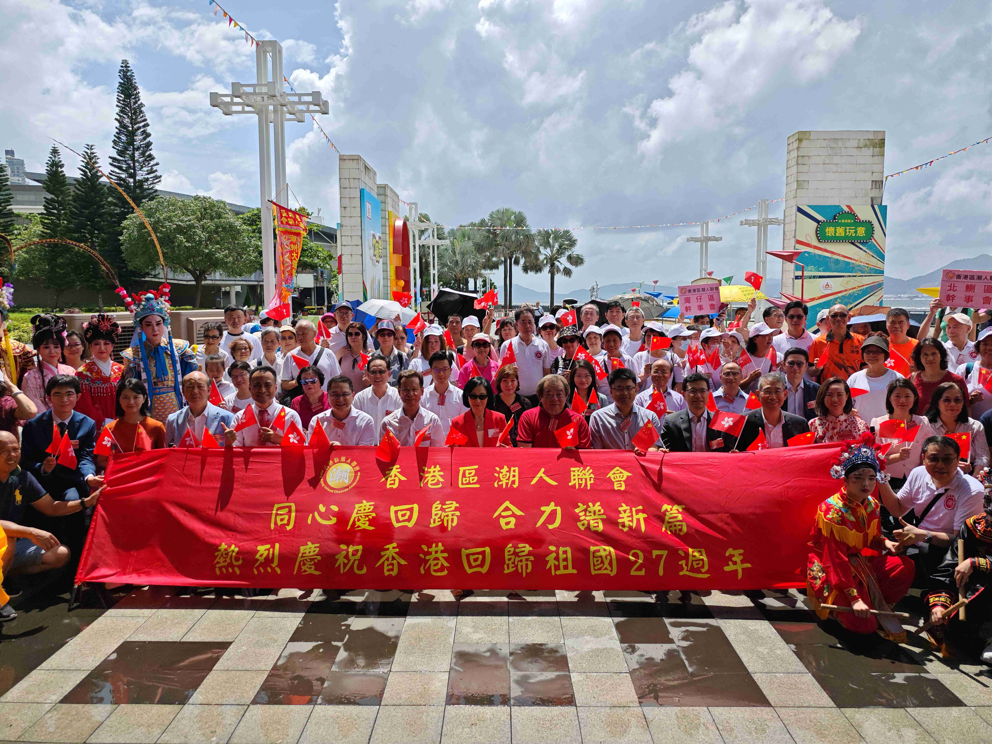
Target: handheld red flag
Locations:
point(569, 319)
point(215, 397)
point(892, 429)
point(660, 343)
point(898, 363)
point(800, 439)
point(460, 360)
point(209, 442)
point(600, 372)
point(319, 437)
point(188, 440)
point(618, 363)
point(772, 357)
point(646, 438)
point(883, 450)
point(642, 347)
point(714, 358)
point(504, 436)
point(389, 448)
point(279, 422)
point(752, 402)
point(363, 362)
point(142, 441)
point(67, 455)
point(105, 443)
point(416, 324)
point(593, 398)
point(578, 405)
point(476, 372)
point(509, 357)
point(912, 429)
point(322, 330)
point(448, 340)
point(294, 436)
point(730, 422)
point(568, 435)
point(246, 419)
point(759, 442)
point(711, 404)
point(962, 438)
point(744, 359)
point(753, 279)
point(985, 378)
point(658, 404)
point(419, 438)
point(856, 392)
point(455, 438)
point(487, 300)
point(56, 443)
point(404, 298)
point(299, 362)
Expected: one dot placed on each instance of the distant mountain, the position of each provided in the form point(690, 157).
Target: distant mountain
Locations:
point(902, 287)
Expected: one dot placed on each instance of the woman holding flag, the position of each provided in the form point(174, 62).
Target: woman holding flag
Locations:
point(948, 415)
point(761, 357)
point(872, 382)
point(657, 346)
point(903, 428)
point(581, 382)
point(133, 429)
point(481, 364)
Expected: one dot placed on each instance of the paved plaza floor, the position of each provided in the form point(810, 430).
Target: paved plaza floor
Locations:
point(541, 667)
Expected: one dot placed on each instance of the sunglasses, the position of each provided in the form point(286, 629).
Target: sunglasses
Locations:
point(838, 315)
point(311, 381)
point(355, 334)
point(795, 363)
point(477, 396)
point(480, 346)
point(794, 316)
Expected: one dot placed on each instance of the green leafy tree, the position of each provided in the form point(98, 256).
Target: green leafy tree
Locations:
point(506, 241)
point(6, 219)
point(199, 236)
point(556, 255)
point(89, 215)
point(313, 256)
point(132, 166)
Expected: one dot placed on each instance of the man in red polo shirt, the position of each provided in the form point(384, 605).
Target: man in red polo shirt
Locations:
point(537, 426)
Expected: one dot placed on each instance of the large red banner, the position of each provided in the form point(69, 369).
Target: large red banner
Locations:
point(458, 518)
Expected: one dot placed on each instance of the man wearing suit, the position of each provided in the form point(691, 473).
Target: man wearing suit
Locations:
point(779, 427)
point(61, 482)
point(800, 392)
point(199, 413)
point(689, 430)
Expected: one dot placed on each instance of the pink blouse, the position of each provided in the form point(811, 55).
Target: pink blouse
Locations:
point(838, 429)
point(34, 387)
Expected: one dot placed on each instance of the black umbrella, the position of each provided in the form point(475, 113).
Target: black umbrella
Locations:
point(449, 302)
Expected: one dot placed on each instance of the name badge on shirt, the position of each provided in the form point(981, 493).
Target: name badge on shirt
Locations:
point(515, 407)
point(492, 432)
point(716, 444)
point(626, 424)
point(441, 398)
point(387, 412)
point(337, 424)
point(811, 404)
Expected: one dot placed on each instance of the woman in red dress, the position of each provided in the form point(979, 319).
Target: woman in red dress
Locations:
point(99, 375)
point(838, 571)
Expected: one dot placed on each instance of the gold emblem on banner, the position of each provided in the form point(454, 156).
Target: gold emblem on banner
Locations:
point(341, 475)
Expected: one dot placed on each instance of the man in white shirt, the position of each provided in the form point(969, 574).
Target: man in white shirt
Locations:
point(308, 353)
point(412, 417)
point(343, 423)
point(442, 398)
point(262, 383)
point(959, 349)
point(235, 318)
point(660, 375)
point(730, 398)
point(532, 354)
point(796, 336)
point(777, 426)
point(198, 413)
point(380, 399)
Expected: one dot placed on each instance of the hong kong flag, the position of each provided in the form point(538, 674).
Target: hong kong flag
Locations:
point(752, 402)
point(247, 419)
point(416, 324)
point(714, 358)
point(800, 439)
point(389, 448)
point(569, 319)
point(215, 397)
point(363, 362)
point(487, 300)
point(600, 372)
point(730, 422)
point(759, 442)
point(188, 440)
point(455, 438)
point(900, 364)
point(658, 404)
point(105, 443)
point(753, 279)
point(646, 438)
point(67, 455)
point(962, 438)
point(744, 359)
point(294, 436)
point(509, 357)
point(568, 435)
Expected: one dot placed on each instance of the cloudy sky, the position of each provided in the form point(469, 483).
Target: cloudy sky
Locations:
point(577, 112)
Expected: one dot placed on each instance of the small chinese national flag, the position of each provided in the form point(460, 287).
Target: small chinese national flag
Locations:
point(568, 435)
point(985, 378)
point(476, 372)
point(658, 404)
point(389, 448)
point(105, 443)
point(279, 422)
point(188, 439)
point(504, 436)
point(730, 422)
point(800, 439)
point(142, 442)
point(215, 397)
point(209, 442)
point(578, 405)
point(67, 455)
point(247, 419)
point(319, 437)
point(509, 357)
point(711, 404)
point(294, 436)
point(962, 438)
point(892, 429)
point(752, 402)
point(660, 343)
point(448, 340)
point(772, 357)
point(646, 438)
point(714, 358)
point(455, 438)
point(56, 443)
point(618, 363)
point(593, 398)
point(759, 442)
point(299, 362)
point(460, 360)
point(855, 392)
point(569, 319)
point(753, 279)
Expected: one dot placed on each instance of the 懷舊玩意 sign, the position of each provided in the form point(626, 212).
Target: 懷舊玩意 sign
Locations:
point(843, 228)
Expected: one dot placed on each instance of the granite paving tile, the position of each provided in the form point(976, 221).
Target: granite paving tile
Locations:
point(480, 674)
point(474, 724)
point(271, 724)
point(953, 725)
point(406, 724)
point(748, 725)
point(299, 674)
point(332, 724)
point(613, 726)
point(887, 725)
point(819, 726)
point(544, 725)
point(682, 726)
point(134, 724)
point(16, 718)
point(68, 723)
point(203, 723)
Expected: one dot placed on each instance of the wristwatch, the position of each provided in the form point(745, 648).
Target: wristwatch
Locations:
point(929, 537)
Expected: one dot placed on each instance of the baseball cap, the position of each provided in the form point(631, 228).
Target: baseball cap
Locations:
point(592, 329)
point(984, 334)
point(679, 330)
point(654, 326)
point(385, 325)
point(762, 329)
point(878, 341)
point(961, 318)
point(433, 330)
point(471, 320)
point(340, 305)
point(710, 333)
point(481, 337)
point(612, 329)
point(822, 315)
point(560, 312)
point(735, 334)
point(546, 319)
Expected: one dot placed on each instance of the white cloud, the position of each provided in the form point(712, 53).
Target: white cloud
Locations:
point(294, 50)
point(173, 180)
point(738, 58)
point(225, 186)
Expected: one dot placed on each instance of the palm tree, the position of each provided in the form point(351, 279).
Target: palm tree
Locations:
point(556, 255)
point(506, 240)
point(459, 262)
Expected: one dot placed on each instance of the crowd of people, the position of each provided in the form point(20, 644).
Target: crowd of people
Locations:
point(916, 414)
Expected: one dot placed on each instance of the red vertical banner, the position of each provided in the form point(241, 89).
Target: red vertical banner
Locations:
point(458, 517)
point(291, 226)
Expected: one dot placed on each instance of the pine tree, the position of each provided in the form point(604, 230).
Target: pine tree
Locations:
point(55, 218)
point(6, 220)
point(132, 166)
point(89, 215)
